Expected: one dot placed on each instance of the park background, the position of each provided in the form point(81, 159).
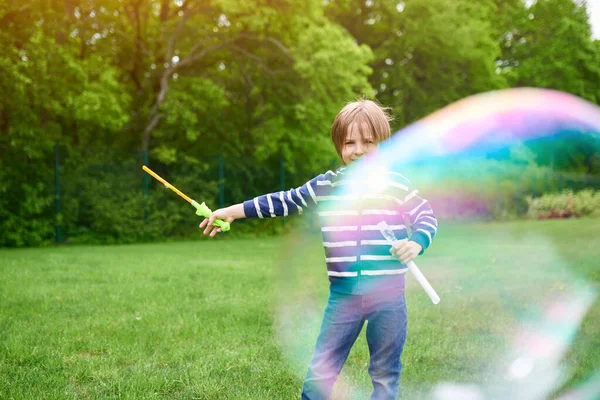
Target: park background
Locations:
point(229, 99)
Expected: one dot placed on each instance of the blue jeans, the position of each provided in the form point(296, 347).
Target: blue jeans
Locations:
point(343, 320)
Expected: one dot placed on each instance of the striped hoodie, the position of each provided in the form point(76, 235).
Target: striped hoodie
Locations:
point(356, 253)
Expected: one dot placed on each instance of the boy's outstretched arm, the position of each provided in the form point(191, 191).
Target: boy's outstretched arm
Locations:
point(278, 204)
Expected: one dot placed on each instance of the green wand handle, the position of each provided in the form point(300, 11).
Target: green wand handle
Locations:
point(203, 211)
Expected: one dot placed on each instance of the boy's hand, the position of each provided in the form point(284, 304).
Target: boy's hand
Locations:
point(406, 251)
point(223, 213)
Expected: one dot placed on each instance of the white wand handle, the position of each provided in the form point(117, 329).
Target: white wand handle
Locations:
point(423, 281)
point(389, 235)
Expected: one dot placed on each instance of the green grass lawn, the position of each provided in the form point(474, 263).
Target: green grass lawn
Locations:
point(237, 319)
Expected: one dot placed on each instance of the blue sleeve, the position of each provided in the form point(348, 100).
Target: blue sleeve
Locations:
point(284, 203)
point(422, 220)
point(423, 223)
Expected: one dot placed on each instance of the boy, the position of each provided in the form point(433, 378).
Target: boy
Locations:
point(366, 282)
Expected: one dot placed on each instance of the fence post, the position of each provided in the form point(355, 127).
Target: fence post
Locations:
point(221, 181)
point(282, 182)
point(146, 185)
point(57, 192)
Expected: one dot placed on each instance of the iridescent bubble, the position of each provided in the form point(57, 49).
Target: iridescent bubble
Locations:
point(514, 290)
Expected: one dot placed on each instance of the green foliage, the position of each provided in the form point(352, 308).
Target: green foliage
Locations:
point(257, 81)
point(427, 53)
point(190, 111)
point(27, 215)
point(31, 223)
point(582, 203)
point(492, 189)
point(105, 202)
point(577, 152)
point(554, 49)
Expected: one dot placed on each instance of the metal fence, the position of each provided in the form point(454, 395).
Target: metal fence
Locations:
point(221, 180)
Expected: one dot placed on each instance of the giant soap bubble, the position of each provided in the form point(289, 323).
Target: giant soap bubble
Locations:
point(510, 175)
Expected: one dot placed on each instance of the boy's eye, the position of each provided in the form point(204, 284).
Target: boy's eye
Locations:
point(350, 142)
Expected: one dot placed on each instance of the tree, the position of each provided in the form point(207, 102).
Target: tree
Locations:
point(251, 55)
point(555, 50)
point(551, 47)
point(427, 53)
point(255, 80)
point(53, 92)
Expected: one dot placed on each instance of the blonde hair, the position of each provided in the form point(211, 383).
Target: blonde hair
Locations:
point(364, 113)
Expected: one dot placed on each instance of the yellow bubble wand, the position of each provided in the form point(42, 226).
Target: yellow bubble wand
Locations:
point(201, 209)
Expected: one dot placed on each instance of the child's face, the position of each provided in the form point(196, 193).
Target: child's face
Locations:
point(357, 145)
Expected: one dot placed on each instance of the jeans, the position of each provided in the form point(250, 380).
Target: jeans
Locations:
point(344, 317)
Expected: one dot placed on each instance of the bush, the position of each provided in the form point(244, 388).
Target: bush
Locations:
point(27, 199)
point(104, 200)
point(490, 189)
point(565, 204)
